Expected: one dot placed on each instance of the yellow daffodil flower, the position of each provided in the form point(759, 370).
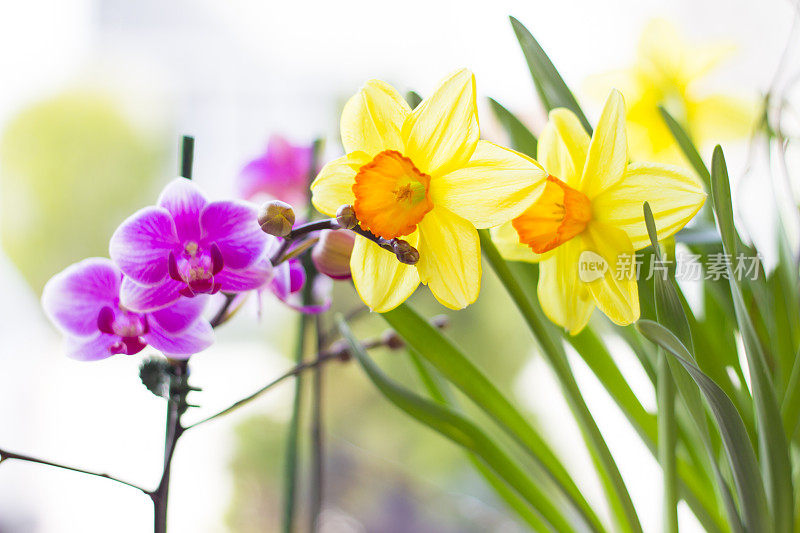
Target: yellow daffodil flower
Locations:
point(667, 72)
point(422, 175)
point(584, 228)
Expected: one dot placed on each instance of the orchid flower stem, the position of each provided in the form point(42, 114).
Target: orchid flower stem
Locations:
point(317, 443)
point(6, 455)
point(175, 407)
point(222, 314)
point(616, 492)
point(290, 462)
point(187, 156)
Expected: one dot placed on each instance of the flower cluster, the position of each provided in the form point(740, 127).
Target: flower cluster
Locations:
point(414, 187)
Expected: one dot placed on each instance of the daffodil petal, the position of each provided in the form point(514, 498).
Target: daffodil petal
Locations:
point(506, 239)
point(615, 292)
point(565, 299)
point(563, 146)
point(661, 51)
point(333, 186)
point(497, 184)
point(449, 258)
point(721, 117)
point(674, 194)
point(442, 131)
point(373, 118)
point(608, 152)
point(381, 280)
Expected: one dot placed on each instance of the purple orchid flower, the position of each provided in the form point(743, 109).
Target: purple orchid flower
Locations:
point(186, 245)
point(281, 173)
point(83, 301)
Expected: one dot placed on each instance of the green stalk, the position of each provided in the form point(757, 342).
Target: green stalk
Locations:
point(667, 442)
point(616, 492)
point(506, 493)
point(290, 473)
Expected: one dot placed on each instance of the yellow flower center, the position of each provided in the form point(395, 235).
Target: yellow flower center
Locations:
point(558, 215)
point(392, 195)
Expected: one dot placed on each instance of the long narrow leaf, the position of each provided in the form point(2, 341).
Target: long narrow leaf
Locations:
point(616, 492)
point(522, 140)
point(461, 372)
point(747, 477)
point(687, 147)
point(459, 430)
point(549, 83)
point(773, 447)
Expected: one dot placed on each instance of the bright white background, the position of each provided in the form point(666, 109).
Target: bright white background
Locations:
point(230, 73)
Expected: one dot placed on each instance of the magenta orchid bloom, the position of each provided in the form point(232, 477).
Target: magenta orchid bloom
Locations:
point(83, 301)
point(281, 173)
point(186, 245)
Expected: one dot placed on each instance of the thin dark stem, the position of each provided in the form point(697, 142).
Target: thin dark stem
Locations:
point(187, 156)
point(6, 455)
point(380, 241)
point(221, 316)
point(297, 369)
point(293, 436)
point(175, 407)
point(298, 232)
point(317, 450)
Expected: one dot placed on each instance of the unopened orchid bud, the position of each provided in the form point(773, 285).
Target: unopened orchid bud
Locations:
point(405, 252)
point(346, 217)
point(276, 218)
point(331, 254)
point(392, 340)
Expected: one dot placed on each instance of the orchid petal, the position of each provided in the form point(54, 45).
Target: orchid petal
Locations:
point(149, 298)
point(184, 201)
point(180, 315)
point(91, 348)
point(141, 244)
point(233, 227)
point(73, 298)
point(195, 338)
point(250, 278)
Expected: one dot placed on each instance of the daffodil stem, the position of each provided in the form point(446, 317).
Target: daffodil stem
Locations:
point(667, 443)
point(617, 494)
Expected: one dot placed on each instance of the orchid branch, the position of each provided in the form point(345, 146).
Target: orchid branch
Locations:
point(6, 455)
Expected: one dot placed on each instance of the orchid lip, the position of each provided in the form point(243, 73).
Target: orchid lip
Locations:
point(196, 269)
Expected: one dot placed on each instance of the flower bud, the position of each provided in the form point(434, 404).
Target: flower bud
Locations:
point(346, 217)
point(331, 254)
point(276, 218)
point(405, 252)
point(392, 340)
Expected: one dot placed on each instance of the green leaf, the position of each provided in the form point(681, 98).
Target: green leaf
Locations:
point(687, 147)
point(522, 140)
point(433, 384)
point(458, 429)
point(549, 83)
point(742, 458)
point(773, 447)
point(461, 372)
point(614, 486)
